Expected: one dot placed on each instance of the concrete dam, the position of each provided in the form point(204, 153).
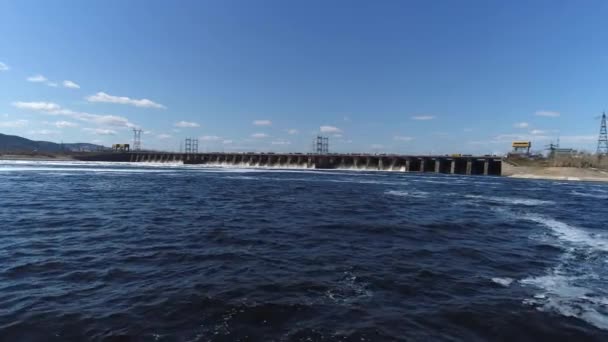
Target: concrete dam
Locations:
point(462, 165)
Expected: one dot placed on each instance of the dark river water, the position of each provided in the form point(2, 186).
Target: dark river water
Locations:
point(176, 253)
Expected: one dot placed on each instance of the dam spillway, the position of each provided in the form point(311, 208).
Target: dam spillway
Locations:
point(463, 165)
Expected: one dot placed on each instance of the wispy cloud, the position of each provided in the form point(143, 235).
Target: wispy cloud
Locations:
point(262, 122)
point(43, 132)
point(292, 131)
point(65, 124)
point(402, 138)
point(186, 124)
point(70, 84)
point(521, 125)
point(281, 142)
point(107, 98)
point(259, 135)
point(164, 136)
point(38, 106)
point(423, 117)
point(227, 142)
point(547, 113)
point(52, 84)
point(210, 138)
point(51, 108)
point(4, 67)
point(329, 129)
point(537, 132)
point(13, 124)
point(37, 79)
point(100, 131)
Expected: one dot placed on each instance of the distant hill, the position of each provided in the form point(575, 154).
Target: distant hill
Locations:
point(13, 144)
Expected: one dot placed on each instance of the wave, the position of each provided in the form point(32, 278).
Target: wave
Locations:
point(511, 200)
point(571, 234)
point(589, 195)
point(502, 281)
point(564, 295)
point(414, 194)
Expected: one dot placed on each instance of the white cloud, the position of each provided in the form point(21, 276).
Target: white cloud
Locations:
point(37, 79)
point(337, 135)
point(4, 67)
point(186, 124)
point(175, 130)
point(377, 146)
point(13, 124)
point(423, 117)
point(210, 138)
point(163, 136)
point(51, 108)
point(38, 106)
point(329, 129)
point(402, 138)
point(100, 131)
point(292, 131)
point(65, 124)
point(259, 135)
point(70, 84)
point(547, 113)
point(227, 142)
point(537, 132)
point(107, 98)
point(44, 132)
point(521, 125)
point(467, 130)
point(262, 122)
point(52, 84)
point(347, 119)
point(281, 142)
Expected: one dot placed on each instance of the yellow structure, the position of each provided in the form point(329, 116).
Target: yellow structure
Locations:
point(522, 146)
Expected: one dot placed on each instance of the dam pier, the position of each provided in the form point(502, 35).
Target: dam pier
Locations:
point(462, 165)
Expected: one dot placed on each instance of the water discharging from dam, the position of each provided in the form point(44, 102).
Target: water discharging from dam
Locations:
point(464, 165)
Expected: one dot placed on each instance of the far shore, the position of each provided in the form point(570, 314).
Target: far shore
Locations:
point(556, 173)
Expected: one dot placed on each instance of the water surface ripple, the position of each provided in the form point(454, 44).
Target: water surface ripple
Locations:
point(176, 253)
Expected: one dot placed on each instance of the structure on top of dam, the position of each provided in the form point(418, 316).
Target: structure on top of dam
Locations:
point(456, 164)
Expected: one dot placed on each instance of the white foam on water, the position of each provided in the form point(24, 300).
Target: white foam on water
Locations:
point(502, 281)
point(564, 294)
point(414, 194)
point(589, 195)
point(573, 288)
point(571, 234)
point(510, 200)
point(349, 290)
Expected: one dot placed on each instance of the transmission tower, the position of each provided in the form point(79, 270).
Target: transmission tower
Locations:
point(602, 142)
point(137, 139)
point(194, 145)
point(188, 145)
point(191, 145)
point(320, 145)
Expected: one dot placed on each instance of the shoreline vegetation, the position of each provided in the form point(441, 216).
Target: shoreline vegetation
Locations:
point(564, 169)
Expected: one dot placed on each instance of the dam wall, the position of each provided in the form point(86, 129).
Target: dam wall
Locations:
point(463, 165)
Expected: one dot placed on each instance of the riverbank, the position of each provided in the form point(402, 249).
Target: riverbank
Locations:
point(555, 173)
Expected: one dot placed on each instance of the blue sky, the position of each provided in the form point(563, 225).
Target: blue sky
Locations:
point(375, 76)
